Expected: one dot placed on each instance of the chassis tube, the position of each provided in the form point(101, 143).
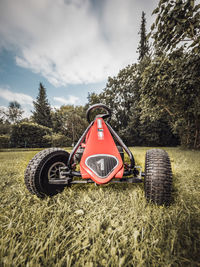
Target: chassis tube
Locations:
point(122, 144)
point(78, 144)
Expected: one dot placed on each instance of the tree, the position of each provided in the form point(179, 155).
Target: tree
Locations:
point(170, 88)
point(177, 21)
point(143, 48)
point(93, 98)
point(42, 113)
point(14, 113)
point(119, 95)
point(2, 115)
point(69, 121)
point(170, 84)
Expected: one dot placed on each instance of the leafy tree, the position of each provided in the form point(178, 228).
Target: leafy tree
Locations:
point(42, 109)
point(2, 115)
point(5, 125)
point(170, 87)
point(177, 21)
point(119, 96)
point(123, 95)
point(14, 113)
point(69, 121)
point(143, 48)
point(170, 84)
point(129, 98)
point(93, 98)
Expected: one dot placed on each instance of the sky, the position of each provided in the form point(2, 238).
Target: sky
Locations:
point(71, 46)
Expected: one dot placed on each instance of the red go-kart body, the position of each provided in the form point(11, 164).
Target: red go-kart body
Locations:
point(101, 160)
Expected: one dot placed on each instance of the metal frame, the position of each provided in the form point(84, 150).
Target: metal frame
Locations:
point(119, 140)
point(67, 173)
point(77, 145)
point(68, 181)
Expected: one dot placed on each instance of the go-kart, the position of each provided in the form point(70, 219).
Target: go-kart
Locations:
point(100, 155)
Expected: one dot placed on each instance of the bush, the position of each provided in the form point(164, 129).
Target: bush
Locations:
point(4, 141)
point(5, 128)
point(58, 140)
point(28, 134)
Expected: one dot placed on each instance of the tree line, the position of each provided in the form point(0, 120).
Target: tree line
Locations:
point(46, 127)
point(155, 102)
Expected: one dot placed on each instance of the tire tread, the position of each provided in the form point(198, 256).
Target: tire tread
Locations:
point(158, 177)
point(33, 170)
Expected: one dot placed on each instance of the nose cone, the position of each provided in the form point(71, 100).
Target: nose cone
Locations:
point(101, 160)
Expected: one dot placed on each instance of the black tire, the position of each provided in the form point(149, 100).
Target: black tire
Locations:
point(42, 166)
point(158, 177)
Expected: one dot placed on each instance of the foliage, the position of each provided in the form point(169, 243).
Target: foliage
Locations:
point(58, 140)
point(90, 225)
point(70, 121)
point(4, 141)
point(161, 93)
point(118, 95)
point(170, 87)
point(170, 84)
point(93, 98)
point(5, 128)
point(143, 48)
point(28, 134)
point(123, 94)
point(14, 113)
point(177, 21)
point(2, 115)
point(42, 109)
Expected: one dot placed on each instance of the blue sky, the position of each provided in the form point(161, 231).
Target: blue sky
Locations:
point(71, 46)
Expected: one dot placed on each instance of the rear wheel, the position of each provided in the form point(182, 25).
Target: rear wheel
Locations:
point(45, 166)
point(158, 177)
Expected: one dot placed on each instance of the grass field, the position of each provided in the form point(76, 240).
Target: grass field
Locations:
point(111, 225)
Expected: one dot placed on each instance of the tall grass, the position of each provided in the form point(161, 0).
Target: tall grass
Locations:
point(109, 225)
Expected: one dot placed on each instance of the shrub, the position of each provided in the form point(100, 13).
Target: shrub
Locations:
point(58, 140)
point(28, 134)
point(4, 141)
point(5, 128)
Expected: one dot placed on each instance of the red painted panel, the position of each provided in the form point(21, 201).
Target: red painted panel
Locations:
point(100, 141)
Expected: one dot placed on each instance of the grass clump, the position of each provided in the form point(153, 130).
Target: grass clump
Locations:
point(110, 225)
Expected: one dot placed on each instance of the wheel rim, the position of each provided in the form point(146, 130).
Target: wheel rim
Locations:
point(54, 170)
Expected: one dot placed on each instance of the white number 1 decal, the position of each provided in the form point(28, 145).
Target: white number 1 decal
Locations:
point(101, 163)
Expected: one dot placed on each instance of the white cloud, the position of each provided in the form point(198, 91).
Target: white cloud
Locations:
point(69, 41)
point(72, 100)
point(23, 99)
point(26, 101)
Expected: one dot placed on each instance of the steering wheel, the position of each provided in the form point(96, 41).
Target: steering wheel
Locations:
point(96, 106)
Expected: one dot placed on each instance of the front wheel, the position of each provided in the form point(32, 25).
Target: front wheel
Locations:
point(45, 166)
point(158, 177)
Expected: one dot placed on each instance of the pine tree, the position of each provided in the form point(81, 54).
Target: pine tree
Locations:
point(42, 113)
point(143, 48)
